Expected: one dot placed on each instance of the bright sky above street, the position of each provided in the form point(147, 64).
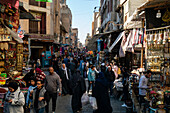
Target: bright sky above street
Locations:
point(82, 13)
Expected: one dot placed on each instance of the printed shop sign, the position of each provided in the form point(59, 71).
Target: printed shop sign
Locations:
point(153, 22)
point(36, 15)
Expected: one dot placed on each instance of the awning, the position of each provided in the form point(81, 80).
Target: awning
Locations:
point(116, 41)
point(107, 33)
point(154, 3)
point(24, 14)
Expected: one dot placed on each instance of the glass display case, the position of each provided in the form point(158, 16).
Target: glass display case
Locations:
point(158, 53)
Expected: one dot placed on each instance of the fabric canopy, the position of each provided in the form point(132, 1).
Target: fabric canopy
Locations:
point(116, 41)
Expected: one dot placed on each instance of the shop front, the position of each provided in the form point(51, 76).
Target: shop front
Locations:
point(11, 45)
point(157, 55)
point(40, 49)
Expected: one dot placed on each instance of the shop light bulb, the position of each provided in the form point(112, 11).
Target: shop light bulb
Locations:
point(158, 14)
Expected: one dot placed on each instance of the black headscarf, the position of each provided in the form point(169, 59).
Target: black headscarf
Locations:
point(75, 78)
point(101, 79)
point(13, 85)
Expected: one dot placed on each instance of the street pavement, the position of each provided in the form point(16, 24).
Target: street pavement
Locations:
point(64, 105)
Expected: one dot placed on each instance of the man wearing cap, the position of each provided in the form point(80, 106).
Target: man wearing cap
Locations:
point(143, 85)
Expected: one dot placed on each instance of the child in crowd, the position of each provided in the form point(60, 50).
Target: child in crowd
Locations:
point(29, 99)
point(14, 100)
point(39, 97)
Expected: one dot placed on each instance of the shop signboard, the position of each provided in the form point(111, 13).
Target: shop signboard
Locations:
point(48, 54)
point(36, 15)
point(152, 21)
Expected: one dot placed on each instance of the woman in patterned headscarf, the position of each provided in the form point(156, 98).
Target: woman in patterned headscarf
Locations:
point(40, 75)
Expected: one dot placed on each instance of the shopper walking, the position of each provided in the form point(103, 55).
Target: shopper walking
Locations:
point(40, 75)
point(64, 74)
point(39, 97)
point(79, 88)
point(29, 98)
point(125, 85)
point(72, 67)
point(91, 77)
point(52, 83)
point(81, 67)
point(65, 60)
point(14, 100)
point(100, 92)
point(110, 76)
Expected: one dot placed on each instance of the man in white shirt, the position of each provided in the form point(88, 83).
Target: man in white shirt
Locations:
point(143, 85)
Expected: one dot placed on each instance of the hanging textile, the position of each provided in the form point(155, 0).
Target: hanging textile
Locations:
point(123, 46)
point(134, 36)
point(137, 36)
point(130, 44)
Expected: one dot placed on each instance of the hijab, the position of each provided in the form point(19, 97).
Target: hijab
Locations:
point(75, 78)
point(13, 85)
point(101, 79)
point(38, 70)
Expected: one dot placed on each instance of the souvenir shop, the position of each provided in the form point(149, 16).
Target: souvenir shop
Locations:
point(157, 59)
point(11, 46)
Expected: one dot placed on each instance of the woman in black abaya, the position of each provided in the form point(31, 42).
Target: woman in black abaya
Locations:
point(78, 88)
point(100, 92)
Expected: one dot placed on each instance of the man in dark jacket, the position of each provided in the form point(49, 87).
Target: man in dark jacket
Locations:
point(110, 76)
point(79, 88)
point(52, 83)
point(64, 74)
point(101, 94)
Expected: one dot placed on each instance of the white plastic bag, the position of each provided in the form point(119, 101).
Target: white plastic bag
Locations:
point(85, 99)
point(93, 103)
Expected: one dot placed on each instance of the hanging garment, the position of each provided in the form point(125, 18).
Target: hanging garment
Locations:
point(164, 39)
point(155, 39)
point(130, 45)
point(134, 37)
point(123, 46)
point(143, 35)
point(137, 36)
point(159, 38)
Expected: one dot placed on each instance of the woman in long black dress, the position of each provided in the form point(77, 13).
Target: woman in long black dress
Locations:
point(100, 92)
point(78, 88)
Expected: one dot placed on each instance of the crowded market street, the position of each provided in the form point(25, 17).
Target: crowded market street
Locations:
point(84, 56)
point(64, 105)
